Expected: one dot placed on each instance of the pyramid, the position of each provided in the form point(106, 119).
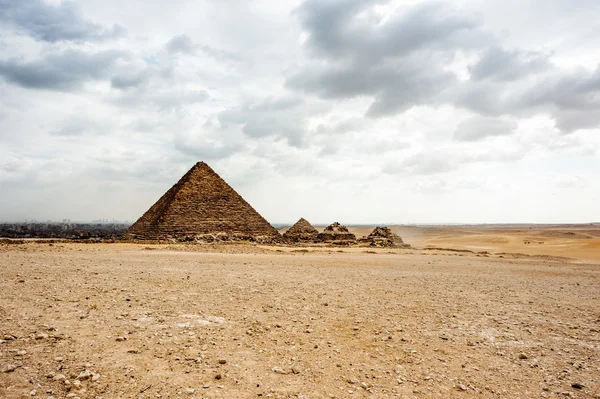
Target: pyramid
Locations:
point(336, 232)
point(383, 237)
point(202, 206)
point(302, 231)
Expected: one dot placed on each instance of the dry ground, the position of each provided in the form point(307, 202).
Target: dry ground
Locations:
point(240, 321)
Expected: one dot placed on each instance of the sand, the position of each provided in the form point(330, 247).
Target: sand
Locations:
point(243, 321)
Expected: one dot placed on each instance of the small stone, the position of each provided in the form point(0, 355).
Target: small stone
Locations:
point(41, 336)
point(59, 359)
point(352, 381)
point(9, 337)
point(33, 392)
point(21, 352)
point(522, 356)
point(296, 370)
point(76, 383)
point(85, 375)
point(95, 377)
point(279, 370)
point(206, 386)
point(461, 387)
point(189, 391)
point(9, 368)
point(222, 361)
point(59, 377)
point(120, 339)
point(218, 377)
point(576, 385)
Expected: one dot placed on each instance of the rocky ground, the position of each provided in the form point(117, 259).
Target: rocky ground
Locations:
point(236, 321)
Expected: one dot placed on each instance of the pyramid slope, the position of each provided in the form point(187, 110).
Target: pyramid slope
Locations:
point(201, 203)
point(302, 230)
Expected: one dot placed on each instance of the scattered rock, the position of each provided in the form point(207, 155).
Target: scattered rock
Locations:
point(222, 361)
point(576, 385)
point(522, 356)
point(279, 370)
point(9, 368)
point(461, 387)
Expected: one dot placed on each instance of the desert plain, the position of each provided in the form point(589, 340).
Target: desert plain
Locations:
point(467, 312)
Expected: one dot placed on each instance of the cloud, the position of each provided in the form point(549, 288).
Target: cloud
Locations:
point(63, 71)
point(340, 29)
point(280, 117)
point(54, 23)
point(405, 58)
point(499, 64)
point(180, 44)
point(481, 127)
point(183, 44)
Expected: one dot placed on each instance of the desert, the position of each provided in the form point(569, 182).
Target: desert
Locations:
point(451, 317)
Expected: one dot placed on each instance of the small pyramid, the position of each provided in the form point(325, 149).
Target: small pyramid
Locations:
point(383, 237)
point(302, 231)
point(202, 204)
point(336, 232)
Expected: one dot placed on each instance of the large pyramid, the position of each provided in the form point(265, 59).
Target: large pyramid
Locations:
point(302, 231)
point(202, 204)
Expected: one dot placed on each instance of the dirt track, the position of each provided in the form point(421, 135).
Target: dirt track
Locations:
point(126, 321)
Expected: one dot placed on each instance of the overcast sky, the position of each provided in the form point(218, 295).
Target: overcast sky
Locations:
point(354, 111)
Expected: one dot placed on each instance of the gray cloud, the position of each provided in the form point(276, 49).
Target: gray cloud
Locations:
point(336, 30)
point(480, 127)
point(281, 117)
point(500, 64)
point(401, 63)
point(180, 44)
point(61, 71)
point(53, 23)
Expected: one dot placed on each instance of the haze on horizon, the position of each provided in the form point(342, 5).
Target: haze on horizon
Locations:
point(360, 111)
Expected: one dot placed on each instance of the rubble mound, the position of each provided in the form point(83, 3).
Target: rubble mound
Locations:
point(302, 231)
point(383, 237)
point(336, 233)
point(202, 207)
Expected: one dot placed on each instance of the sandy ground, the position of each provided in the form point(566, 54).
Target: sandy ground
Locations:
point(241, 321)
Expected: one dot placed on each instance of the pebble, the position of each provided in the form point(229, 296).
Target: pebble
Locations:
point(190, 391)
point(85, 375)
point(33, 393)
point(21, 352)
point(522, 356)
point(222, 361)
point(120, 339)
point(576, 385)
point(461, 387)
point(9, 368)
point(41, 336)
point(279, 370)
point(59, 377)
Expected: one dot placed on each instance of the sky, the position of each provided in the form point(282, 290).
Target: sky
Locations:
point(357, 111)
